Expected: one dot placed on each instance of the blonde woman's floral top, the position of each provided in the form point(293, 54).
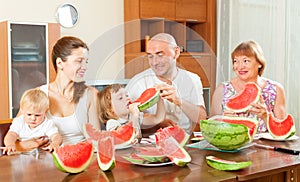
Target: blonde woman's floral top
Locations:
point(268, 93)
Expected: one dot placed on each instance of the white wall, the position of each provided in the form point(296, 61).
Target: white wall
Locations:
point(98, 19)
point(274, 24)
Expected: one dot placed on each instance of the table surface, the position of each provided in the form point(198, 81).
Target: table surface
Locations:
point(26, 167)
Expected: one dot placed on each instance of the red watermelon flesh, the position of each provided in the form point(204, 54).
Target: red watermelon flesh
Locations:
point(91, 132)
point(175, 131)
point(242, 102)
point(281, 129)
point(106, 152)
point(251, 123)
point(73, 158)
point(146, 95)
point(124, 135)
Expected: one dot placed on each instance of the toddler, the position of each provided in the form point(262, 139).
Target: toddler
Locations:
point(32, 123)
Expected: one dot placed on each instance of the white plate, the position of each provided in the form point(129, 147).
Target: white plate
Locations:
point(124, 147)
point(269, 137)
point(154, 164)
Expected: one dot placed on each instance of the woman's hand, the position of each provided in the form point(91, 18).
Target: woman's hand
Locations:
point(229, 113)
point(260, 110)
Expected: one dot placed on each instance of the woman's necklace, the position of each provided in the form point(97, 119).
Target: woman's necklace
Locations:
point(69, 99)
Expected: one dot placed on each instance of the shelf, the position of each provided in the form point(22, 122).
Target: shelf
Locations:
point(191, 22)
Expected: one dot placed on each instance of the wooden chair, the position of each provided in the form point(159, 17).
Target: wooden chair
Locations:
point(4, 126)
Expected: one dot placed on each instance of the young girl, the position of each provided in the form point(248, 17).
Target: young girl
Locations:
point(116, 109)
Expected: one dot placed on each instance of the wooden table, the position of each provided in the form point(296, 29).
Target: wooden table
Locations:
point(267, 166)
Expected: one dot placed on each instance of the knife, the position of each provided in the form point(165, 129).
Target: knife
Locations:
point(279, 149)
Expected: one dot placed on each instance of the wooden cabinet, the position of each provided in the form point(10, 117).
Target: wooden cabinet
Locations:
point(25, 50)
point(191, 10)
point(157, 9)
point(191, 22)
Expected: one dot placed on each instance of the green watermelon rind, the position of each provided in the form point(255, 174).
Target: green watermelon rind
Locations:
point(253, 120)
point(59, 165)
point(153, 158)
point(132, 160)
point(289, 134)
point(219, 133)
point(244, 109)
point(226, 166)
point(151, 102)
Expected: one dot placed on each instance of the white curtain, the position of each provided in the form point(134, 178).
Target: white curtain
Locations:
point(275, 25)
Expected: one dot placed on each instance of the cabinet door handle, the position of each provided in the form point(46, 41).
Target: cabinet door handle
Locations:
point(157, 18)
point(191, 20)
point(196, 56)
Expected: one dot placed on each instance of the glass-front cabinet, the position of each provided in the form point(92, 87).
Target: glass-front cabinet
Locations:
point(24, 59)
point(28, 66)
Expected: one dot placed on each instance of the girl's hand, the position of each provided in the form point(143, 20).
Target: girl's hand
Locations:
point(134, 110)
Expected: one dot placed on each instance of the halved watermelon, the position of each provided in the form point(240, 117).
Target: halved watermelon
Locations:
point(175, 152)
point(148, 98)
point(224, 135)
point(242, 101)
point(106, 152)
point(251, 123)
point(123, 136)
point(175, 131)
point(73, 158)
point(281, 129)
point(151, 154)
point(227, 165)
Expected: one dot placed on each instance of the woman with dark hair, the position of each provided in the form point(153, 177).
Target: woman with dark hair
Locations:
point(248, 64)
point(72, 102)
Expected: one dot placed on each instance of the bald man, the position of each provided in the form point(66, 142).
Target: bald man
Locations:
point(181, 90)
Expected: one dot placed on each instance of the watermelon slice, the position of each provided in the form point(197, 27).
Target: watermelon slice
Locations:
point(251, 123)
point(242, 101)
point(106, 152)
point(227, 165)
point(148, 98)
point(175, 131)
point(151, 154)
point(281, 129)
point(73, 158)
point(175, 152)
point(133, 158)
point(123, 136)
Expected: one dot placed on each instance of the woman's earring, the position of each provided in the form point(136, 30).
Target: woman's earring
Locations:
point(259, 66)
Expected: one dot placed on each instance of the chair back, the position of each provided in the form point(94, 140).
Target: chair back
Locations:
point(4, 127)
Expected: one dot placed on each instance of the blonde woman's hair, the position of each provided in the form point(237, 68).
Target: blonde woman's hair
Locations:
point(105, 106)
point(251, 48)
point(34, 98)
